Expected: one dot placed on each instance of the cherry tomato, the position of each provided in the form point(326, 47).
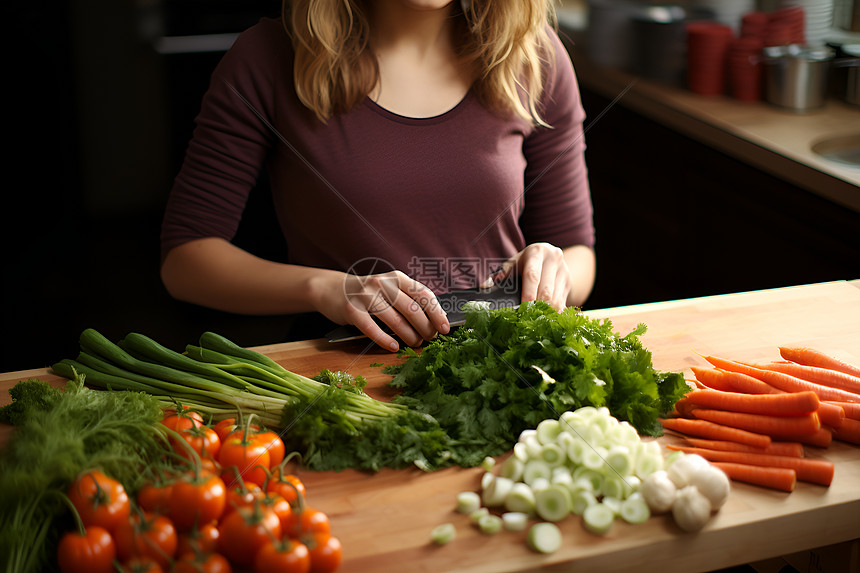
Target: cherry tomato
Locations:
point(100, 500)
point(308, 521)
point(289, 556)
point(141, 565)
point(229, 425)
point(250, 458)
point(244, 531)
point(326, 553)
point(274, 445)
point(202, 539)
point(202, 563)
point(92, 552)
point(281, 507)
point(202, 439)
point(286, 486)
point(197, 500)
point(155, 497)
point(241, 495)
point(150, 535)
point(182, 419)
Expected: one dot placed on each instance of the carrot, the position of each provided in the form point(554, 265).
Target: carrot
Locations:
point(782, 404)
point(811, 357)
point(831, 414)
point(815, 374)
point(793, 449)
point(706, 429)
point(821, 438)
point(851, 409)
point(784, 381)
point(849, 431)
point(808, 470)
point(783, 479)
point(784, 427)
point(721, 379)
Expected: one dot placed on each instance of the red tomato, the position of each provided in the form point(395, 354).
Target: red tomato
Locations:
point(289, 556)
point(92, 552)
point(141, 565)
point(244, 531)
point(288, 486)
point(242, 496)
point(274, 444)
point(308, 521)
point(326, 553)
point(197, 500)
point(202, 439)
point(250, 458)
point(229, 425)
point(281, 507)
point(100, 500)
point(155, 497)
point(202, 540)
point(202, 563)
point(181, 420)
point(152, 535)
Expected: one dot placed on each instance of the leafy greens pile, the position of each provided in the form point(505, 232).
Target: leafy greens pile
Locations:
point(481, 385)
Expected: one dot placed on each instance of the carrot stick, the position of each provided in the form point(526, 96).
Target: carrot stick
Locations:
point(783, 479)
point(792, 449)
point(815, 374)
point(784, 427)
point(721, 379)
point(808, 470)
point(706, 429)
point(851, 409)
point(812, 357)
point(831, 414)
point(821, 438)
point(849, 431)
point(784, 381)
point(782, 404)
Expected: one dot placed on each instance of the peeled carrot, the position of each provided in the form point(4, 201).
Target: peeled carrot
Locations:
point(706, 429)
point(851, 409)
point(784, 427)
point(720, 379)
point(793, 449)
point(821, 438)
point(849, 431)
point(782, 404)
point(831, 414)
point(784, 381)
point(815, 374)
point(811, 357)
point(783, 479)
point(808, 470)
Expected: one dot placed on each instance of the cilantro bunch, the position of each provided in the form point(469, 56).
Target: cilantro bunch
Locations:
point(508, 369)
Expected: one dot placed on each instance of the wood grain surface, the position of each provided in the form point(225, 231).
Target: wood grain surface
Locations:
point(384, 520)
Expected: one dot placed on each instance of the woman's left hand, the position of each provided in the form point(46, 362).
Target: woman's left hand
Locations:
point(544, 274)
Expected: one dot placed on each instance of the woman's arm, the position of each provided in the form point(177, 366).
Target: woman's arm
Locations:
point(213, 272)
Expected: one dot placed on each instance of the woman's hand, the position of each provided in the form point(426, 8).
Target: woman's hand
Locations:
point(561, 277)
point(406, 306)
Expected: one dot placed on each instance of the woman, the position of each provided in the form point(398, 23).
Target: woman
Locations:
point(413, 146)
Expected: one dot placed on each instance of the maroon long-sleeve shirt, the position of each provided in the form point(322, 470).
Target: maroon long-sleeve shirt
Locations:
point(444, 199)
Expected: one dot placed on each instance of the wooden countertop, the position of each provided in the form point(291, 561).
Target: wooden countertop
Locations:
point(384, 520)
point(771, 139)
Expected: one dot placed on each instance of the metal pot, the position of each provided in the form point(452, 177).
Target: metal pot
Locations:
point(851, 63)
point(796, 76)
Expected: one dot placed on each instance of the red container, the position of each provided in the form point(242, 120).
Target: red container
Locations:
point(707, 57)
point(745, 69)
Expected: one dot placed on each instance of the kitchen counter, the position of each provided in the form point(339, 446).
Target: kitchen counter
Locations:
point(773, 140)
point(384, 520)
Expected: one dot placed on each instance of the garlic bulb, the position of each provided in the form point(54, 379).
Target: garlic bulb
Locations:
point(658, 491)
point(684, 466)
point(713, 483)
point(691, 509)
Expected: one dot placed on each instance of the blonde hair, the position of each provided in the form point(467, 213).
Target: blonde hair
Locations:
point(506, 41)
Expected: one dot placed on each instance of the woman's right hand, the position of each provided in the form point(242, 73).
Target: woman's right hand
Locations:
point(406, 306)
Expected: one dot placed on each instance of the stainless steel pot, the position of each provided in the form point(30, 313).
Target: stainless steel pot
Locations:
point(796, 76)
point(852, 77)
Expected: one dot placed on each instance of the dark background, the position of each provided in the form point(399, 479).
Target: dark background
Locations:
point(100, 120)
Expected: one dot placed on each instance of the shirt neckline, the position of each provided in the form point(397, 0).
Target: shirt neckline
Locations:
point(409, 120)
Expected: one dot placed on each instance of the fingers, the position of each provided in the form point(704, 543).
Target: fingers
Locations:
point(544, 275)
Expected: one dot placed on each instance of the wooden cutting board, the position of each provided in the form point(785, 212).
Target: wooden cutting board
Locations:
point(384, 520)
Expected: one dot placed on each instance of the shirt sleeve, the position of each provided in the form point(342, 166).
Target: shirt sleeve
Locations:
point(230, 143)
point(558, 207)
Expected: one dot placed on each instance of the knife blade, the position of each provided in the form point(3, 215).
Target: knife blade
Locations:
point(503, 295)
